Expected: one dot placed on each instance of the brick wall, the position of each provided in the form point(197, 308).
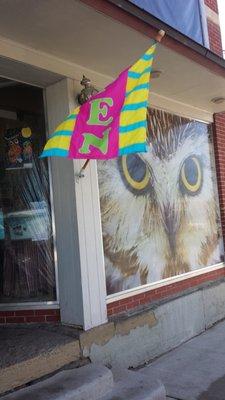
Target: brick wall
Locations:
point(219, 148)
point(29, 316)
point(215, 42)
point(212, 4)
point(219, 120)
point(164, 292)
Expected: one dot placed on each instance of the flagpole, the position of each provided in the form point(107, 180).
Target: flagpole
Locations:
point(159, 36)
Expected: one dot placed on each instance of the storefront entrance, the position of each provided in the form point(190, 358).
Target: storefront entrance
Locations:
point(27, 265)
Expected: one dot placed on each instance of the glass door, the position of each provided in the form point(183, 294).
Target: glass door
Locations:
point(27, 268)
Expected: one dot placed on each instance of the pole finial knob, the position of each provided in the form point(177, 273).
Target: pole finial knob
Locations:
point(160, 35)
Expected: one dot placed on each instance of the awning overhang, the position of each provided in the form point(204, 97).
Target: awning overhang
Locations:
point(100, 45)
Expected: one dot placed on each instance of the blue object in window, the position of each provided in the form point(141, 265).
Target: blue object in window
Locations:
point(185, 16)
point(2, 229)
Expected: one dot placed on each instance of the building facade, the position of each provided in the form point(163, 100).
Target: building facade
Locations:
point(134, 234)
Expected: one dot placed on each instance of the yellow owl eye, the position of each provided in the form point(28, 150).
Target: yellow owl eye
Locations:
point(191, 176)
point(135, 173)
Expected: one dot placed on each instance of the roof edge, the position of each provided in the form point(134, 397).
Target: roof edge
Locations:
point(140, 20)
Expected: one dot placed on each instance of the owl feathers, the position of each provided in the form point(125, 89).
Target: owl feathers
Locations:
point(159, 209)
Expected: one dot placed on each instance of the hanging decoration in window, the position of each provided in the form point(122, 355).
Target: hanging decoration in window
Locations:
point(18, 148)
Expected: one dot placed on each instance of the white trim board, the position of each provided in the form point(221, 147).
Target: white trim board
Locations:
point(178, 108)
point(17, 51)
point(48, 305)
point(58, 69)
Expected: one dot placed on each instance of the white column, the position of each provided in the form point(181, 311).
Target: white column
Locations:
point(82, 290)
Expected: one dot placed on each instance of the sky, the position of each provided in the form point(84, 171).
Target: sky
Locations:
point(221, 4)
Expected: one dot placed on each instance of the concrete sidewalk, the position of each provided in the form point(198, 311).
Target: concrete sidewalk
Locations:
point(195, 370)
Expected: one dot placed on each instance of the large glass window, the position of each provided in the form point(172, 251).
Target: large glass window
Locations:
point(160, 213)
point(27, 272)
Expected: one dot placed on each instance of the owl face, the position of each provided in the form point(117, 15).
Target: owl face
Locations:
point(159, 213)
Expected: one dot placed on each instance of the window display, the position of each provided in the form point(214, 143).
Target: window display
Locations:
point(159, 210)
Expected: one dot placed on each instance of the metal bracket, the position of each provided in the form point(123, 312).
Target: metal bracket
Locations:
point(80, 174)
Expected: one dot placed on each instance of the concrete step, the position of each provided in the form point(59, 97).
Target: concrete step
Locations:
point(133, 385)
point(28, 353)
point(90, 382)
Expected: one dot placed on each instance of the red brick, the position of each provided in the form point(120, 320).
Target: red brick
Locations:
point(215, 41)
point(156, 296)
point(7, 313)
point(119, 309)
point(143, 301)
point(52, 318)
point(113, 304)
point(125, 301)
point(212, 4)
point(24, 312)
point(14, 320)
point(133, 304)
point(219, 136)
point(27, 316)
point(39, 319)
point(45, 312)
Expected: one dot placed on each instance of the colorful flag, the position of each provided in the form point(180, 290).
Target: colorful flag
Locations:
point(111, 123)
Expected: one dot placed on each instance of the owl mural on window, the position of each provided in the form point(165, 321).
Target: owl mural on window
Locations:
point(160, 214)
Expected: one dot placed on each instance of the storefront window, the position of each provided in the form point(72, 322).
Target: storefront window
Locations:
point(27, 272)
point(160, 213)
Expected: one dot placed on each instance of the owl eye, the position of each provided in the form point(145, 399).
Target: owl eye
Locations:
point(191, 176)
point(135, 173)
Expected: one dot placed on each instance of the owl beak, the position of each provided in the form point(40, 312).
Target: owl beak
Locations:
point(170, 226)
